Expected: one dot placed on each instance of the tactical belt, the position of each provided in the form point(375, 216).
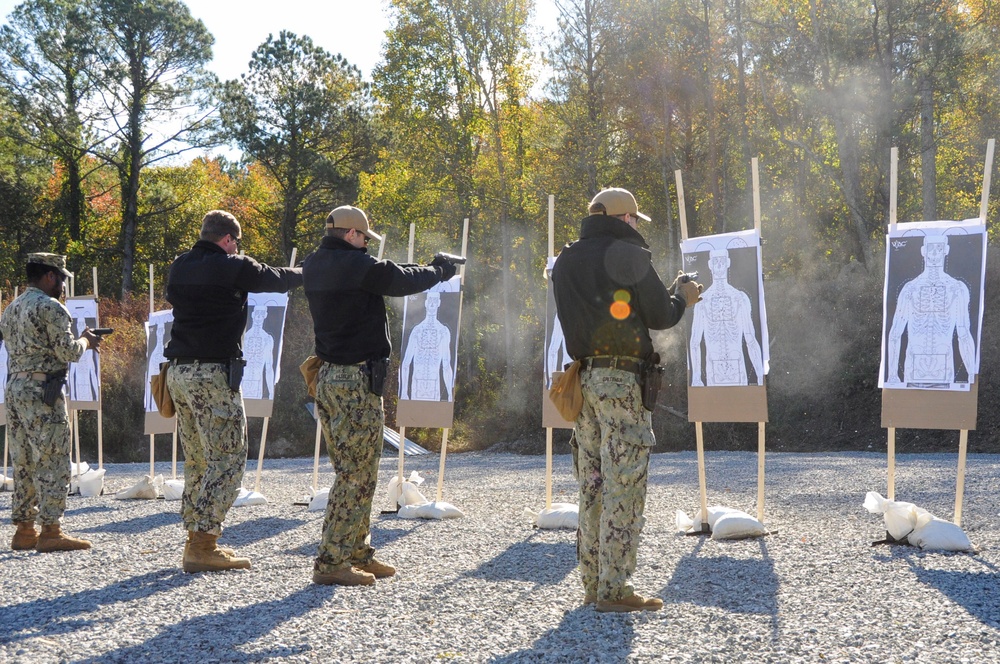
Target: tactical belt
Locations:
point(33, 375)
point(195, 360)
point(630, 364)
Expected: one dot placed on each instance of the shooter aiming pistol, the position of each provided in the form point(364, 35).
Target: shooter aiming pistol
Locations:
point(456, 260)
point(687, 276)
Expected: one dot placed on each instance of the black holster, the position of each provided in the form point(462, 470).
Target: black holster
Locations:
point(235, 376)
point(52, 387)
point(650, 381)
point(376, 371)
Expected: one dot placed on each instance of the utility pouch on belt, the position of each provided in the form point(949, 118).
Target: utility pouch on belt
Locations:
point(310, 372)
point(650, 380)
point(52, 387)
point(161, 395)
point(376, 370)
point(236, 365)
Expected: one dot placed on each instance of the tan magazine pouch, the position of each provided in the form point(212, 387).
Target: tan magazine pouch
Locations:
point(161, 395)
point(566, 393)
point(310, 371)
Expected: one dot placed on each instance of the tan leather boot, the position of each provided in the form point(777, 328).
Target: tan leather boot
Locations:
point(349, 576)
point(53, 539)
point(377, 568)
point(25, 537)
point(202, 555)
point(633, 603)
point(225, 549)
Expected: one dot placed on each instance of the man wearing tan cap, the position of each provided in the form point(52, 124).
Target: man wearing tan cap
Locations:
point(208, 288)
point(346, 289)
point(37, 330)
point(608, 297)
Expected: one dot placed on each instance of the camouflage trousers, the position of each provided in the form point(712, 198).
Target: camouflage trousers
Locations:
point(40, 452)
point(352, 420)
point(614, 434)
point(213, 431)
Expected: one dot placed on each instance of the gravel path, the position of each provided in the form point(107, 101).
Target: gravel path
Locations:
point(489, 587)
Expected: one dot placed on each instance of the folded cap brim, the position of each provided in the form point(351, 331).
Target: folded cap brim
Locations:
point(642, 216)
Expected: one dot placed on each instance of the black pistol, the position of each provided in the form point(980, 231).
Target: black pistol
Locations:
point(101, 331)
point(451, 258)
point(688, 276)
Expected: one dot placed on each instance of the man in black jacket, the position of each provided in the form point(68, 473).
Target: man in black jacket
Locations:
point(208, 287)
point(345, 287)
point(608, 297)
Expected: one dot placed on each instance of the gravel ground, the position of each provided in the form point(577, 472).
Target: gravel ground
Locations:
point(489, 587)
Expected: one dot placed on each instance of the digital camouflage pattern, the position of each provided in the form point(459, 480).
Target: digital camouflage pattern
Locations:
point(352, 421)
point(37, 333)
point(212, 427)
point(614, 434)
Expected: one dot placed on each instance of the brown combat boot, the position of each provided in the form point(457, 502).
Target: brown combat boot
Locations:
point(25, 537)
point(377, 568)
point(53, 539)
point(202, 555)
point(225, 549)
point(349, 576)
point(633, 603)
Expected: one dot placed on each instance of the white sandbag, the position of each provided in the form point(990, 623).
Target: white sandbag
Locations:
point(900, 517)
point(173, 489)
point(319, 500)
point(248, 497)
point(8, 483)
point(560, 515)
point(79, 469)
point(931, 532)
point(147, 488)
point(432, 510)
point(734, 524)
point(91, 483)
point(686, 524)
point(411, 495)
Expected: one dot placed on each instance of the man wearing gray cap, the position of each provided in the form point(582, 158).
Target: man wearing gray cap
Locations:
point(37, 330)
point(608, 297)
point(346, 288)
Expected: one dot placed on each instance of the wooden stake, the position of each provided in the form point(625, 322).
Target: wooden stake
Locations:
point(100, 403)
point(152, 437)
point(703, 489)
point(963, 444)
point(444, 453)
point(402, 430)
point(760, 472)
point(319, 438)
point(548, 467)
point(984, 201)
point(891, 431)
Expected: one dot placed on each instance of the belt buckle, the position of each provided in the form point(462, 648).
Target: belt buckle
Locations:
point(614, 362)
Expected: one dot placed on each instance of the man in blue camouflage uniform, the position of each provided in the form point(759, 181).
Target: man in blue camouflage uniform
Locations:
point(208, 287)
point(345, 287)
point(608, 296)
point(37, 330)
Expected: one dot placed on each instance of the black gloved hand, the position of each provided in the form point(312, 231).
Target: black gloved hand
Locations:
point(448, 269)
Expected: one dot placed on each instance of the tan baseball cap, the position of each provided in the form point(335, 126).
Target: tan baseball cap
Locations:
point(348, 216)
point(50, 260)
point(618, 201)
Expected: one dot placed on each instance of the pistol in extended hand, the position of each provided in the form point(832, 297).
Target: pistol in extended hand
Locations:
point(687, 276)
point(101, 331)
point(451, 258)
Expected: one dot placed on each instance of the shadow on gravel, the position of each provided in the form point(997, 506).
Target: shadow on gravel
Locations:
point(89, 509)
point(139, 524)
point(214, 637)
point(380, 537)
point(976, 592)
point(738, 585)
point(583, 636)
point(256, 530)
point(541, 563)
point(58, 615)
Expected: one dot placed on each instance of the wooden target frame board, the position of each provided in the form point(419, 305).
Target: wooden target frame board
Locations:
point(932, 409)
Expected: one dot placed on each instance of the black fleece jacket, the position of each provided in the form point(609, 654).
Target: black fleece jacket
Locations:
point(208, 290)
point(345, 288)
point(608, 295)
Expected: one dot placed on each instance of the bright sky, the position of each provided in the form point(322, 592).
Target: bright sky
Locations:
point(353, 28)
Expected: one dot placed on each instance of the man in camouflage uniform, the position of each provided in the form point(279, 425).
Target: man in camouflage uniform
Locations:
point(208, 287)
point(345, 287)
point(608, 296)
point(37, 330)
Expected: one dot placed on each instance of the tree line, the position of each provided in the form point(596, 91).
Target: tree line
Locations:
point(104, 103)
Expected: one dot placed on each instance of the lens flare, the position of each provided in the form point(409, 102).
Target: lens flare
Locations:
point(620, 310)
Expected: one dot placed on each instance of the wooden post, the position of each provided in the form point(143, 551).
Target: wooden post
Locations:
point(100, 403)
point(319, 438)
point(891, 431)
point(548, 430)
point(963, 443)
point(760, 425)
point(699, 437)
point(402, 430)
point(152, 437)
point(444, 453)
